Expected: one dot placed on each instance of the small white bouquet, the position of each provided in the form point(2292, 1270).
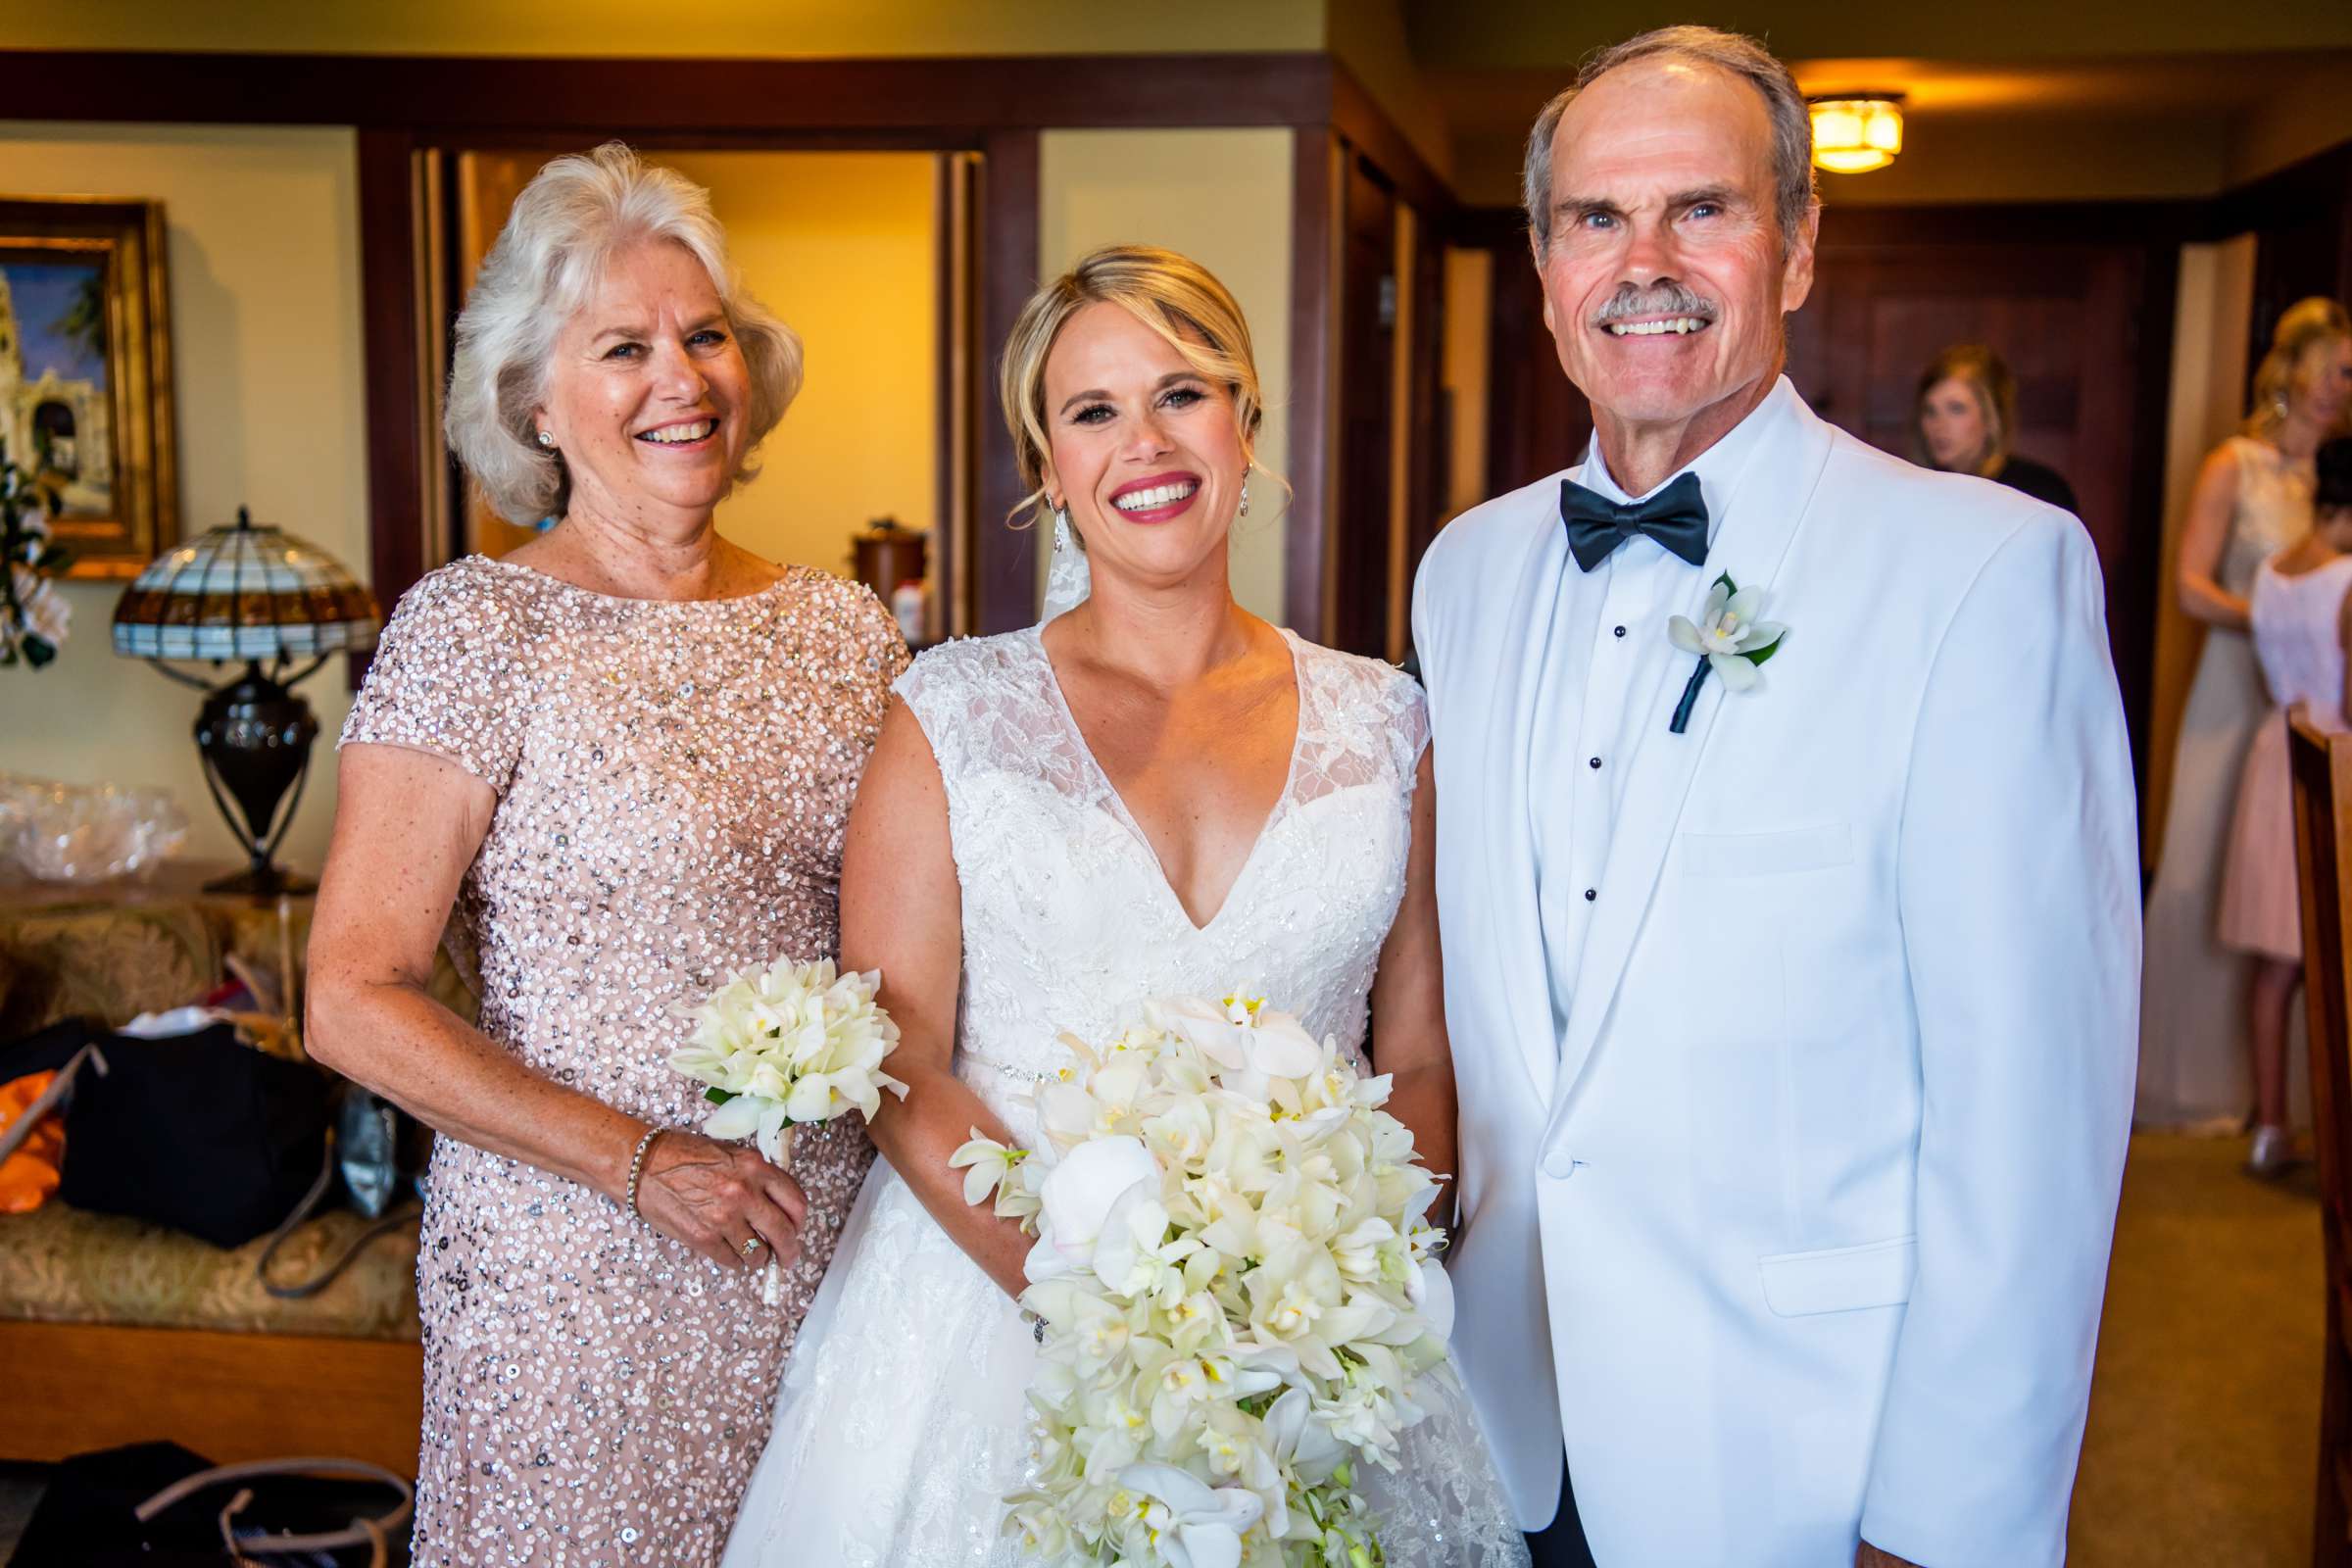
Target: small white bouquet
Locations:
point(1235, 1276)
point(790, 1044)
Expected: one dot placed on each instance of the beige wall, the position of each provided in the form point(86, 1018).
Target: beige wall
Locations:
point(844, 247)
point(2208, 399)
point(268, 387)
point(778, 28)
point(1222, 197)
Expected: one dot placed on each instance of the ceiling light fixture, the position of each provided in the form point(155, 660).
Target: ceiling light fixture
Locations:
point(1856, 132)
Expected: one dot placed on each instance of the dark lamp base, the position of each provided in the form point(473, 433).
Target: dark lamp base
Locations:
point(263, 882)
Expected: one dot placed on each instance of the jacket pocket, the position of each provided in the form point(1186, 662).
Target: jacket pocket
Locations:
point(1839, 1279)
point(1767, 854)
point(1803, 849)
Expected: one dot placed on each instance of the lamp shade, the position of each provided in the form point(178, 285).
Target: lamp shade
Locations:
point(1853, 135)
point(245, 592)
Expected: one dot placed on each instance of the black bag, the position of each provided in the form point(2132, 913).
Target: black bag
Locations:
point(198, 1133)
point(88, 1513)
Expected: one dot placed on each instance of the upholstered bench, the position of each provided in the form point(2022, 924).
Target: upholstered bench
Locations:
point(115, 1331)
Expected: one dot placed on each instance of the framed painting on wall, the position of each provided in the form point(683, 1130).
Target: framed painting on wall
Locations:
point(85, 372)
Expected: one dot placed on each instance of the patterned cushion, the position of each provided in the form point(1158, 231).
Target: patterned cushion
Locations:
point(62, 1265)
point(109, 963)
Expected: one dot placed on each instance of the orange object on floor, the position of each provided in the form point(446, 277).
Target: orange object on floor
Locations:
point(29, 1175)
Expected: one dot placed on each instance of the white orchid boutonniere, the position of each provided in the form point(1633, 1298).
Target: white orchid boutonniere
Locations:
point(1730, 641)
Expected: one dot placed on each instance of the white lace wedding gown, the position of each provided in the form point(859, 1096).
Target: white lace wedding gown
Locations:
point(902, 1420)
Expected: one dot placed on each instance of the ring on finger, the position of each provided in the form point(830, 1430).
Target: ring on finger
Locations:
point(751, 1247)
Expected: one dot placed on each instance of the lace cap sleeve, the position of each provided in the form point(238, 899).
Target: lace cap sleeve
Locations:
point(971, 700)
point(1409, 734)
point(449, 676)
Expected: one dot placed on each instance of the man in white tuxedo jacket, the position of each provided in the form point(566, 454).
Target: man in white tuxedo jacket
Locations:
point(1794, 1047)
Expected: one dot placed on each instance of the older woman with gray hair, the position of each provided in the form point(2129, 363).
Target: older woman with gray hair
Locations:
point(623, 756)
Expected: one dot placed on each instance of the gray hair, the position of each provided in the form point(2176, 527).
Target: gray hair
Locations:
point(567, 224)
point(1740, 56)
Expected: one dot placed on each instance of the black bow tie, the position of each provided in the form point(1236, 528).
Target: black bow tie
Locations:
point(1676, 517)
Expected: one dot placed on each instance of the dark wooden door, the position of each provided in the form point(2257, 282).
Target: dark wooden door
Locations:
point(1359, 557)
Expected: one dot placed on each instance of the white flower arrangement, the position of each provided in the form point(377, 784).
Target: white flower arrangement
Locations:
point(1728, 639)
point(1237, 1289)
point(790, 1044)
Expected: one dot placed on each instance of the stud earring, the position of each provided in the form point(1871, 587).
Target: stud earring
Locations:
point(547, 440)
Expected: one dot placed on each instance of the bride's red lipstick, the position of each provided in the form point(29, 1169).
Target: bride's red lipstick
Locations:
point(1182, 480)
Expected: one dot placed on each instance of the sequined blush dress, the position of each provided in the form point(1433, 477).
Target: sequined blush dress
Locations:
point(904, 1420)
point(673, 780)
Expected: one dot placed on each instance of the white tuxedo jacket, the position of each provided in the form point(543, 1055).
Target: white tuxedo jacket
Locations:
point(1799, 1232)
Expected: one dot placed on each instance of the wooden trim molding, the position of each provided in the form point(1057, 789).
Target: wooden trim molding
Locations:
point(957, 98)
point(1358, 116)
point(1002, 576)
point(393, 340)
point(2315, 183)
point(1315, 347)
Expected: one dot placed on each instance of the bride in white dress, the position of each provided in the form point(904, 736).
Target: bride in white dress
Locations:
point(1153, 793)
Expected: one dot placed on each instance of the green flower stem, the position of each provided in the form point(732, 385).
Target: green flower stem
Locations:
point(1681, 710)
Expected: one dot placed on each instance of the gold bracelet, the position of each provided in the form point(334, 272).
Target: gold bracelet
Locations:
point(637, 1163)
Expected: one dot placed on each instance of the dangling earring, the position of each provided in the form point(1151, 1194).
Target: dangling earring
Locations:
point(1061, 528)
point(1244, 507)
point(547, 439)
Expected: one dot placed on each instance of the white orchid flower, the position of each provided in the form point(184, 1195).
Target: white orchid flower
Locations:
point(1081, 1189)
point(986, 1167)
point(1038, 1525)
point(1729, 635)
point(1133, 1256)
point(1203, 1525)
point(1295, 1437)
point(1204, 1026)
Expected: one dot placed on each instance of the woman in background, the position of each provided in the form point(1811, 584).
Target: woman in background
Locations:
point(2302, 611)
point(624, 755)
point(2252, 500)
point(1965, 418)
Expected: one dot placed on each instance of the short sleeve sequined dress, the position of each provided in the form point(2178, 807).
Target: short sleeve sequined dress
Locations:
point(673, 779)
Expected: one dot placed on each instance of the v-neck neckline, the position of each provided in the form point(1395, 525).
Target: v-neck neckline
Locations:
point(1133, 826)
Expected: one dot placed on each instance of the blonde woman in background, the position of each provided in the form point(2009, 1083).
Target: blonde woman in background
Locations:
point(1964, 420)
point(2252, 500)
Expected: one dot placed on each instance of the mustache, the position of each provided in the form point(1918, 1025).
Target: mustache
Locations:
point(1666, 297)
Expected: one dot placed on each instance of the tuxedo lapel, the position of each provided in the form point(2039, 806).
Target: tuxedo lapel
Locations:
point(1515, 952)
point(1750, 544)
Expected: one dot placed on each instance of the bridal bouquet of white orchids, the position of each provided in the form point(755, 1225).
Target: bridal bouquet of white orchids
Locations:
point(1234, 1279)
point(790, 1044)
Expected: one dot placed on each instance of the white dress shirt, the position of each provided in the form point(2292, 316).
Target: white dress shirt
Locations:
point(1606, 642)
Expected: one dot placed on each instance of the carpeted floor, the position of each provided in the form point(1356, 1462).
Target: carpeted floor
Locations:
point(2203, 1445)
